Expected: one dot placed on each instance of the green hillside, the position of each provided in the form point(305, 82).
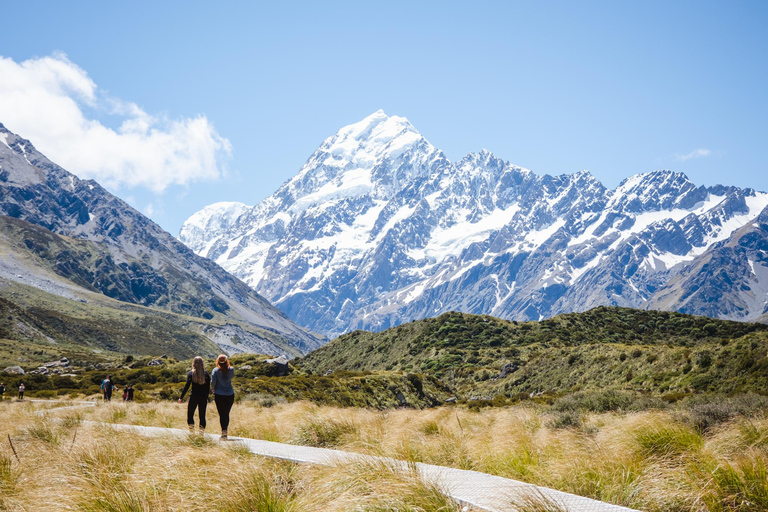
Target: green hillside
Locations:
point(79, 299)
point(39, 327)
point(605, 348)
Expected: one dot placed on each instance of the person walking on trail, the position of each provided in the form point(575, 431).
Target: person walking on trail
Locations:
point(106, 388)
point(200, 382)
point(223, 392)
point(2, 391)
point(22, 387)
point(129, 390)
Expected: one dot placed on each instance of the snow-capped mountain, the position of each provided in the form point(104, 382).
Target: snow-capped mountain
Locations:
point(379, 228)
point(132, 260)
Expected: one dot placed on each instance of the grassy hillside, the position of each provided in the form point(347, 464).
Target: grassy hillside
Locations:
point(58, 325)
point(617, 348)
point(102, 293)
point(99, 325)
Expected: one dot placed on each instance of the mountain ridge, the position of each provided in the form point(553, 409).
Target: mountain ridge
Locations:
point(380, 228)
point(157, 270)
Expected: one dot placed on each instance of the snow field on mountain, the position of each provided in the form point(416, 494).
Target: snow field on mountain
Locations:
point(378, 225)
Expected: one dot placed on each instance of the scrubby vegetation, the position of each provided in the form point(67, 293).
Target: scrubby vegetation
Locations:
point(478, 361)
point(654, 459)
point(617, 348)
point(254, 381)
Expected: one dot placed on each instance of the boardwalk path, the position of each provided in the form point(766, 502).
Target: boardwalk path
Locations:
point(479, 490)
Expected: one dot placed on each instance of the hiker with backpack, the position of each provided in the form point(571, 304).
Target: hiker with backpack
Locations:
point(107, 387)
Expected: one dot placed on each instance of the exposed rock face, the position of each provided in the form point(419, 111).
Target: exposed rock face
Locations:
point(730, 280)
point(133, 260)
point(379, 228)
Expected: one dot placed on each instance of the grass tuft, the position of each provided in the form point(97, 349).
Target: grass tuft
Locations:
point(323, 433)
point(261, 492)
point(8, 477)
point(534, 501)
point(44, 431)
point(117, 499)
point(667, 440)
point(741, 485)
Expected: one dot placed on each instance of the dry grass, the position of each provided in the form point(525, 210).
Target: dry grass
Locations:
point(654, 461)
point(69, 464)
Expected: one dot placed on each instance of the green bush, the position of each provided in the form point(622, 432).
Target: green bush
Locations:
point(707, 411)
point(566, 419)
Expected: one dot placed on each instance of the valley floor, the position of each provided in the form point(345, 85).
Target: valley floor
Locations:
point(670, 460)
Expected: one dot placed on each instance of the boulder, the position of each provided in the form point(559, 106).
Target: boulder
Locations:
point(14, 370)
point(281, 366)
point(507, 369)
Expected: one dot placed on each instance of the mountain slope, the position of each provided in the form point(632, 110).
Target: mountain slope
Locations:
point(604, 348)
point(380, 228)
point(739, 264)
point(127, 257)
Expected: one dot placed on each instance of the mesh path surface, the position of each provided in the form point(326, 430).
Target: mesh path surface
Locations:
point(479, 490)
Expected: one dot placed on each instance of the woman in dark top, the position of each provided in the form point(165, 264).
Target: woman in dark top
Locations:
point(200, 381)
point(223, 392)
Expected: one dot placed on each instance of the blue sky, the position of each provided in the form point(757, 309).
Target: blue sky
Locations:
point(613, 87)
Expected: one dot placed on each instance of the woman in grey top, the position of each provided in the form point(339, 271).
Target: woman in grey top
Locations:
point(223, 392)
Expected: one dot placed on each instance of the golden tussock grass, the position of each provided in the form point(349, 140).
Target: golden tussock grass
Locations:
point(653, 460)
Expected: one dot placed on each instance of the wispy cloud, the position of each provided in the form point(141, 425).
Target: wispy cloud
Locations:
point(47, 100)
point(696, 153)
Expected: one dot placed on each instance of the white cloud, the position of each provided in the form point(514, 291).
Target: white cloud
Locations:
point(46, 101)
point(696, 153)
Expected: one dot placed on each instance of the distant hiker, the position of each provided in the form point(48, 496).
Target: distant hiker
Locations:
point(106, 388)
point(129, 390)
point(125, 394)
point(223, 392)
point(2, 391)
point(22, 387)
point(200, 381)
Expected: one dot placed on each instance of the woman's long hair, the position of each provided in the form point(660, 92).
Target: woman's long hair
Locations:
point(222, 363)
point(198, 370)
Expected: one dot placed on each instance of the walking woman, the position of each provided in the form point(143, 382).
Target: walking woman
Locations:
point(223, 392)
point(200, 381)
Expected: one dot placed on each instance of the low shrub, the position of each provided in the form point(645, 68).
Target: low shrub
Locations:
point(566, 419)
point(707, 411)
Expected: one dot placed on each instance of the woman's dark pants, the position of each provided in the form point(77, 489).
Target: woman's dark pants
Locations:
point(224, 405)
point(199, 403)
